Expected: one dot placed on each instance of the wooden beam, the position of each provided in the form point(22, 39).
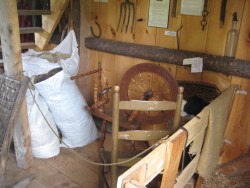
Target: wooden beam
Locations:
point(50, 22)
point(26, 45)
point(27, 30)
point(235, 167)
point(33, 12)
point(85, 85)
point(10, 40)
point(225, 65)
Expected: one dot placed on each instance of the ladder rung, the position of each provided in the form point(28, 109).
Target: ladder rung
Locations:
point(26, 30)
point(26, 45)
point(34, 12)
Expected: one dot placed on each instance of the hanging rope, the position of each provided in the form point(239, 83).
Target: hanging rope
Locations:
point(86, 160)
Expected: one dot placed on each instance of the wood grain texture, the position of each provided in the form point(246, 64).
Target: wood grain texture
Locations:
point(50, 22)
point(174, 23)
point(216, 37)
point(238, 125)
point(211, 41)
point(243, 49)
point(10, 40)
point(143, 33)
point(222, 81)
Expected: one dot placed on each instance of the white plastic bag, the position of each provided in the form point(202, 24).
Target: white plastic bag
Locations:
point(44, 142)
point(68, 108)
point(33, 64)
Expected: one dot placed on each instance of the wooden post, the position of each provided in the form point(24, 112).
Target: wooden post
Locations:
point(10, 41)
point(85, 64)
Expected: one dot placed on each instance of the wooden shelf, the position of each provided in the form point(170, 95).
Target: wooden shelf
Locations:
point(225, 65)
point(27, 30)
point(33, 12)
point(26, 45)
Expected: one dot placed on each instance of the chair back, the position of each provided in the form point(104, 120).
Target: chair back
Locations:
point(166, 157)
point(139, 135)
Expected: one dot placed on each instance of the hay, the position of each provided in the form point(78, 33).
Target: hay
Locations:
point(218, 180)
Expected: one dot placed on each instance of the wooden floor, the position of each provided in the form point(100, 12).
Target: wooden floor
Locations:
point(68, 169)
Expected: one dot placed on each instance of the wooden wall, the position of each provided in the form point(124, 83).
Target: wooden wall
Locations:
point(192, 38)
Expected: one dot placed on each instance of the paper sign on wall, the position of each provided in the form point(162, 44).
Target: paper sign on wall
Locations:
point(196, 64)
point(192, 7)
point(158, 13)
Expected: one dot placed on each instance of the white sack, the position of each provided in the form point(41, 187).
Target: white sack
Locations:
point(34, 65)
point(68, 108)
point(44, 142)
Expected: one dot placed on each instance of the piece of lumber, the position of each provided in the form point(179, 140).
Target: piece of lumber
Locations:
point(26, 45)
point(225, 65)
point(235, 167)
point(50, 23)
point(10, 41)
point(28, 30)
point(33, 12)
point(172, 160)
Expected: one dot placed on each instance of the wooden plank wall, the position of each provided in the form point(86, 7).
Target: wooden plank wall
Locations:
point(192, 38)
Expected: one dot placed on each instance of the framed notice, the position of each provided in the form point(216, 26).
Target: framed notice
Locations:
point(158, 13)
point(192, 7)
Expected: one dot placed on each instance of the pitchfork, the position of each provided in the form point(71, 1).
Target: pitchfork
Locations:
point(123, 7)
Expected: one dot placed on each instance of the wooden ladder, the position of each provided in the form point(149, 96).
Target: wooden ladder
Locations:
point(50, 20)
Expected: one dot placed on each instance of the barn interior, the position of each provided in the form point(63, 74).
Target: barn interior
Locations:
point(72, 64)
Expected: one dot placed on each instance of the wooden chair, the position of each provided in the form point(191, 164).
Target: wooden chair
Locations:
point(12, 93)
point(166, 157)
point(134, 135)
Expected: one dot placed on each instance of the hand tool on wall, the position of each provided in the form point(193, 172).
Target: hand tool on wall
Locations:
point(204, 15)
point(174, 7)
point(124, 7)
point(223, 12)
point(99, 28)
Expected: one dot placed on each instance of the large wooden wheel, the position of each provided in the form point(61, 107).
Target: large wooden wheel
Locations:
point(150, 82)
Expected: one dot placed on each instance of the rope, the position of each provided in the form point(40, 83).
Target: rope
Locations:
point(86, 160)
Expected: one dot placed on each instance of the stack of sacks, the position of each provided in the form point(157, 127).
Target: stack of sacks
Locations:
point(60, 99)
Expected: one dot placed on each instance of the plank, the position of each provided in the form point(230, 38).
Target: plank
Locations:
point(27, 30)
point(243, 49)
point(85, 65)
point(107, 19)
point(69, 169)
point(174, 23)
point(142, 31)
point(26, 45)
point(50, 22)
point(216, 37)
point(172, 160)
point(235, 167)
point(33, 12)
point(184, 73)
point(192, 38)
point(187, 173)
point(222, 81)
point(238, 124)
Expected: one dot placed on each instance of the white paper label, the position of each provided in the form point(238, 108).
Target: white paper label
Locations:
point(102, 1)
point(170, 33)
point(196, 64)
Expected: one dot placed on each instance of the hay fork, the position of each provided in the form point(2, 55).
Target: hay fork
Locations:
point(126, 6)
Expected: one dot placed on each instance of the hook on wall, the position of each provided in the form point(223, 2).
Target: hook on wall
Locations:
point(99, 28)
